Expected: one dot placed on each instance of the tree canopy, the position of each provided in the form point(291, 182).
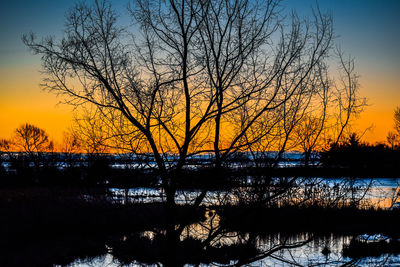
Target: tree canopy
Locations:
point(190, 77)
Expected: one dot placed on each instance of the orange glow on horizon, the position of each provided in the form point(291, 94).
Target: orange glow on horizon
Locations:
point(23, 101)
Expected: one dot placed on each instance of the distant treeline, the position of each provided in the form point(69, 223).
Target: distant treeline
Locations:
point(37, 163)
point(354, 154)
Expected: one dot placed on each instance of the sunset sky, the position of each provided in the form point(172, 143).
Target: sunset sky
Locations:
point(367, 30)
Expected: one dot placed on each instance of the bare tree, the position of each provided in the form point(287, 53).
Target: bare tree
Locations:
point(260, 68)
point(5, 145)
point(314, 125)
point(90, 133)
point(33, 141)
point(192, 76)
point(397, 120)
point(392, 139)
point(70, 145)
point(6, 151)
point(309, 132)
point(349, 104)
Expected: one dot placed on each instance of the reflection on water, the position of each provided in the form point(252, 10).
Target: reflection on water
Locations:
point(213, 235)
point(384, 192)
point(379, 192)
point(208, 237)
point(276, 250)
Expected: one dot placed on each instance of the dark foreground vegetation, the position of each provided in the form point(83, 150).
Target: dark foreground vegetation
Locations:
point(353, 154)
point(61, 225)
point(316, 219)
point(207, 178)
point(351, 158)
point(61, 208)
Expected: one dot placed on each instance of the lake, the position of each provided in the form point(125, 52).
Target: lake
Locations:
point(225, 247)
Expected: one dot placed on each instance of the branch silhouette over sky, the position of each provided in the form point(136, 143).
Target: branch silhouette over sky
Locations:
point(368, 30)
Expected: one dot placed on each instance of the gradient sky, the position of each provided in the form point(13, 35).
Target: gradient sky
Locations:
point(368, 30)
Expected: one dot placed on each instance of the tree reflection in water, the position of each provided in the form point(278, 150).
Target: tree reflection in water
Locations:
point(259, 226)
point(208, 243)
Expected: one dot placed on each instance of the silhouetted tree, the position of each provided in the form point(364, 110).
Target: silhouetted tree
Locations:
point(70, 146)
point(397, 120)
point(199, 76)
point(93, 136)
point(392, 139)
point(347, 94)
point(355, 154)
point(315, 123)
point(6, 154)
point(32, 141)
point(309, 132)
point(5, 146)
point(91, 133)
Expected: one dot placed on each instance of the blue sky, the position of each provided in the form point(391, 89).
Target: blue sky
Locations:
point(368, 30)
